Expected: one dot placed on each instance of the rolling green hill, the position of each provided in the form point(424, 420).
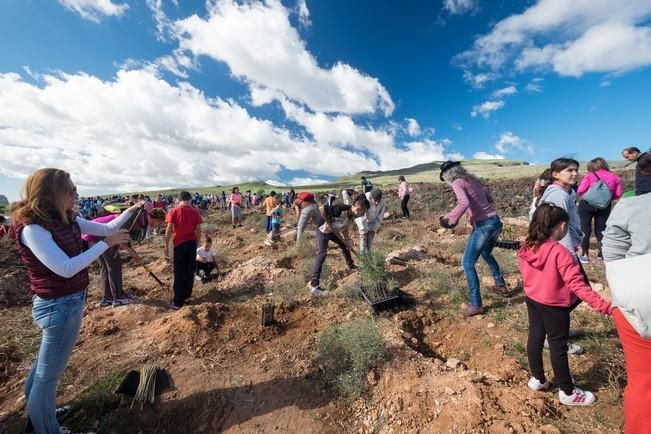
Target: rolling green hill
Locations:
point(427, 172)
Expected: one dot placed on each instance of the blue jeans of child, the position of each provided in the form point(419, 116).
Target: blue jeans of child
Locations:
point(60, 320)
point(481, 243)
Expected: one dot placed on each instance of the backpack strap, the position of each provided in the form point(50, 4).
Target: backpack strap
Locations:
point(602, 181)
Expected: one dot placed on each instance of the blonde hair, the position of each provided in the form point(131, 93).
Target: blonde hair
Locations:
point(596, 164)
point(44, 198)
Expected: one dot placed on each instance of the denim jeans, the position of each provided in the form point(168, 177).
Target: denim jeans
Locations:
point(322, 241)
point(481, 243)
point(60, 320)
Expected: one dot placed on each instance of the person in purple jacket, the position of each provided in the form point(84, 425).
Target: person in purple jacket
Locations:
point(47, 232)
point(475, 200)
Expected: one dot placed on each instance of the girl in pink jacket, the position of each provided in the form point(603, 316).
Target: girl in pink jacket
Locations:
point(554, 284)
point(598, 170)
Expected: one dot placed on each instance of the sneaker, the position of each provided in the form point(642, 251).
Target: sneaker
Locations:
point(573, 349)
point(174, 307)
point(473, 310)
point(59, 413)
point(316, 291)
point(584, 259)
point(120, 302)
point(577, 398)
point(197, 278)
point(105, 303)
point(535, 384)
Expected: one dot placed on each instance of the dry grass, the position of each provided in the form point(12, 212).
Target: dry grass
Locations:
point(346, 353)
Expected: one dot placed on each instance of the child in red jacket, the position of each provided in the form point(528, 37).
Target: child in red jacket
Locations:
point(554, 285)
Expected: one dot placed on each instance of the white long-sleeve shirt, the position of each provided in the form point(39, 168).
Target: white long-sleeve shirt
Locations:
point(39, 240)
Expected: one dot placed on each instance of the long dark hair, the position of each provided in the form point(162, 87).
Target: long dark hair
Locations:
point(546, 217)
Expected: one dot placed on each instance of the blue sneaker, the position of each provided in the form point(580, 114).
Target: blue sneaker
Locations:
point(105, 303)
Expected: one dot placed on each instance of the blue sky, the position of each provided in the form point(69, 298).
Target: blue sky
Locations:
point(151, 94)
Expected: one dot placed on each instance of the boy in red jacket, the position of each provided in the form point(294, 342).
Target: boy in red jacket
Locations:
point(554, 285)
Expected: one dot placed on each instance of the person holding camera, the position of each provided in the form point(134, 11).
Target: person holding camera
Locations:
point(47, 231)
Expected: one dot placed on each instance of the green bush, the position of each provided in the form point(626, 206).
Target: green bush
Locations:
point(372, 271)
point(346, 354)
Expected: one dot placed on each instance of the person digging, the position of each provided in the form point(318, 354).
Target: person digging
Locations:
point(474, 199)
point(337, 221)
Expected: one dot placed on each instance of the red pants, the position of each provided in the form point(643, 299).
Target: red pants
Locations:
point(637, 395)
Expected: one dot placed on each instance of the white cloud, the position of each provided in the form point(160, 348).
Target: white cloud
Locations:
point(307, 181)
point(457, 126)
point(164, 30)
point(508, 140)
point(459, 6)
point(571, 38)
point(479, 80)
point(303, 13)
point(535, 85)
point(137, 132)
point(486, 156)
point(95, 10)
point(486, 109)
point(507, 91)
point(275, 183)
point(413, 129)
point(259, 45)
point(378, 144)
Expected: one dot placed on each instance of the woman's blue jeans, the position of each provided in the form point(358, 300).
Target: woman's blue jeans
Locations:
point(481, 243)
point(60, 320)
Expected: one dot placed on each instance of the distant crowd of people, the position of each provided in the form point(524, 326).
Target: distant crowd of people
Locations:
point(58, 236)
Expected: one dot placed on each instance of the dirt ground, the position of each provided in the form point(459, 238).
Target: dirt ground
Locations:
point(442, 373)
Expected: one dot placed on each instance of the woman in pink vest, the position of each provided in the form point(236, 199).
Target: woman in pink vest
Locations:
point(48, 231)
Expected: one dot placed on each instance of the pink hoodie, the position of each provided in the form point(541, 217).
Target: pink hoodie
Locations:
point(609, 178)
point(403, 190)
point(551, 276)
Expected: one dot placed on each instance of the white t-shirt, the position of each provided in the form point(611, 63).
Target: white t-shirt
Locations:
point(205, 255)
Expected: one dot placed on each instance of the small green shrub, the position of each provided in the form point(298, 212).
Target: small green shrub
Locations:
point(346, 353)
point(372, 271)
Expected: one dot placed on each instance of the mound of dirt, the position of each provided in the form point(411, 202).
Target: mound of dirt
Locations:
point(254, 273)
point(14, 283)
point(190, 329)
